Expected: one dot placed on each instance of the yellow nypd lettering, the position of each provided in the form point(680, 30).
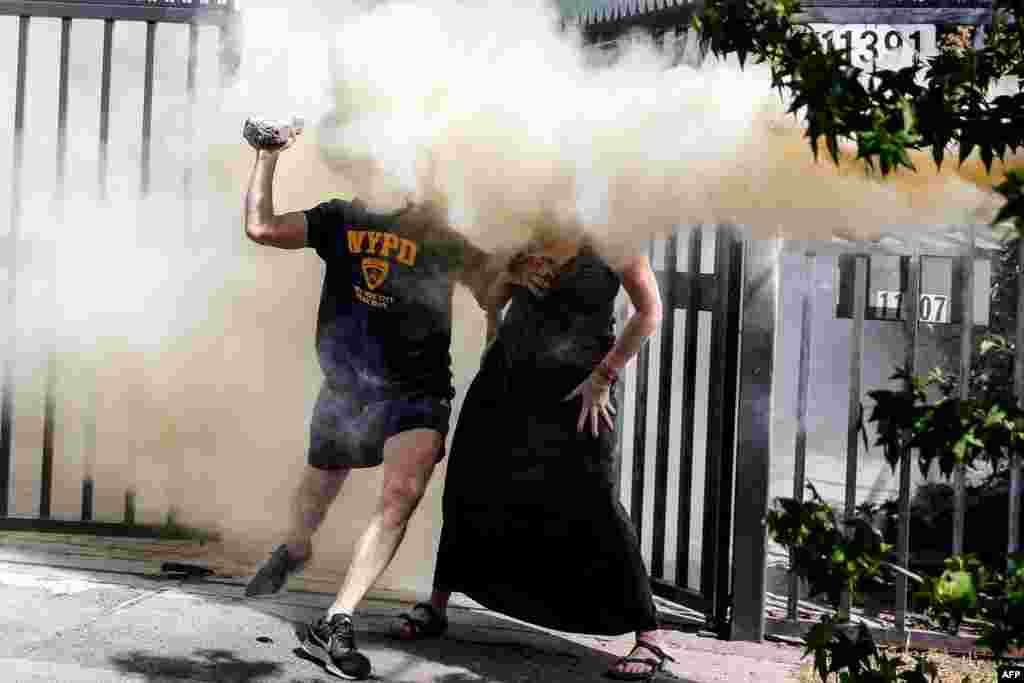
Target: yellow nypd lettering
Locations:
point(384, 244)
point(406, 252)
point(389, 244)
point(355, 240)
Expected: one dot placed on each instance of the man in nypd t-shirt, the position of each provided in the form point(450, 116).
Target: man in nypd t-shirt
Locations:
point(383, 337)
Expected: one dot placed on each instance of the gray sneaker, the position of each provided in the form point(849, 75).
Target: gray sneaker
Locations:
point(333, 643)
point(273, 574)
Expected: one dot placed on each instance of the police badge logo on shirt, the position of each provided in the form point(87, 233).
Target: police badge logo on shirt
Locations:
point(375, 271)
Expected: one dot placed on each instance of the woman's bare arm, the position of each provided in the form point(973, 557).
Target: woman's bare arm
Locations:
point(595, 391)
point(640, 284)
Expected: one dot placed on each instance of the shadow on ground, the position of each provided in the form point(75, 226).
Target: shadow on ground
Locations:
point(479, 647)
point(479, 655)
point(464, 656)
point(216, 666)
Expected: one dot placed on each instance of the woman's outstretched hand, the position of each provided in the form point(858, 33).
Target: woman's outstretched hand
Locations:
point(595, 395)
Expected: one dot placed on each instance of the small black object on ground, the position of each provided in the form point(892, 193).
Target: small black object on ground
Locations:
point(186, 571)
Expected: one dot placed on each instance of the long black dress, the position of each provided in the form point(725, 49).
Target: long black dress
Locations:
point(532, 526)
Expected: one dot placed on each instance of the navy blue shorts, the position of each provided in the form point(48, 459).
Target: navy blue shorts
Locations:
point(348, 432)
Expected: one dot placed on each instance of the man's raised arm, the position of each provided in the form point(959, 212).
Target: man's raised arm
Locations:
point(262, 225)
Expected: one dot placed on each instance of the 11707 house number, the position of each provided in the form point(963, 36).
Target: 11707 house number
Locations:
point(933, 308)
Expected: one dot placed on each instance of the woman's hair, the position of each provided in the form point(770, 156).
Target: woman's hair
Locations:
point(547, 226)
point(425, 220)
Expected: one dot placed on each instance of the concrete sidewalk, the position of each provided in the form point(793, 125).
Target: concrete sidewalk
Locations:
point(72, 618)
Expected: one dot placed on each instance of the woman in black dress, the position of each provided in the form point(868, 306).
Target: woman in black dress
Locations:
point(532, 526)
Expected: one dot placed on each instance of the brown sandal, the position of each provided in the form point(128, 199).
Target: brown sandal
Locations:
point(656, 665)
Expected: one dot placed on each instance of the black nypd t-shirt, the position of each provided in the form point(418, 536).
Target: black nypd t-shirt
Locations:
point(385, 321)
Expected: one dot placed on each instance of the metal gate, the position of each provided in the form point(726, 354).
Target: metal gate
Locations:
point(696, 415)
point(193, 13)
point(678, 421)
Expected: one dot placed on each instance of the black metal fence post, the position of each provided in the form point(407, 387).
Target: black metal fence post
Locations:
point(663, 431)
point(754, 439)
point(1016, 473)
point(716, 560)
point(687, 400)
point(145, 164)
point(190, 87)
point(50, 400)
point(800, 447)
point(643, 365)
point(860, 294)
point(966, 351)
point(13, 237)
point(911, 313)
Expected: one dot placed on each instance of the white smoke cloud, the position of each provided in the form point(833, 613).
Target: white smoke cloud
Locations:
point(496, 110)
point(485, 103)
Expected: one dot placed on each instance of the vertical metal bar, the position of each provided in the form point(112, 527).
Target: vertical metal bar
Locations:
point(803, 380)
point(50, 400)
point(13, 237)
point(87, 494)
point(226, 48)
point(722, 393)
point(108, 47)
point(193, 58)
point(860, 286)
point(129, 506)
point(730, 431)
point(688, 400)
point(147, 110)
point(966, 352)
point(89, 418)
point(911, 305)
point(860, 280)
point(89, 448)
point(640, 439)
point(145, 164)
point(668, 340)
point(62, 113)
point(46, 473)
point(228, 51)
point(754, 438)
point(1016, 478)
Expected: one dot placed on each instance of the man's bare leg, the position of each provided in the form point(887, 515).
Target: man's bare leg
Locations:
point(310, 503)
point(409, 460)
point(317, 490)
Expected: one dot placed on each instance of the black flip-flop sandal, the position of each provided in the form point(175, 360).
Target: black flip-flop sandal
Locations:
point(656, 665)
point(433, 627)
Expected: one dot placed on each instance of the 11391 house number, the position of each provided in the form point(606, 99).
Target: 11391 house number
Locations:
point(933, 308)
point(884, 45)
